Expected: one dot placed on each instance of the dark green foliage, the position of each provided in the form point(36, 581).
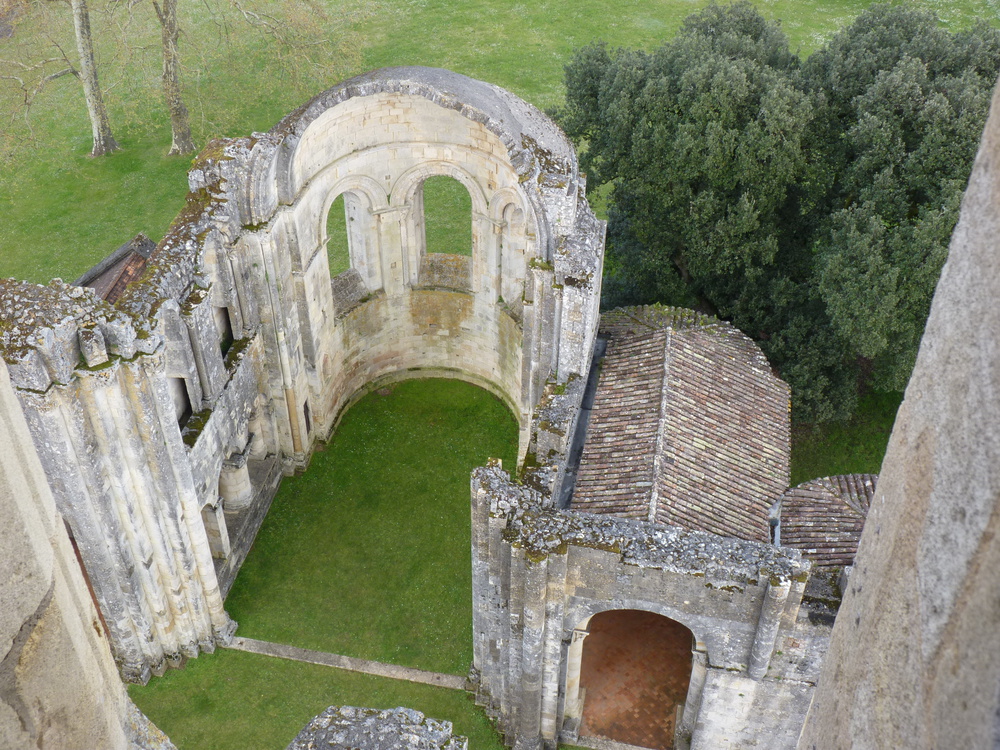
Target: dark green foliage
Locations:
point(809, 203)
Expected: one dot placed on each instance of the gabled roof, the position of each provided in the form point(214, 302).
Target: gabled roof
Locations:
point(824, 517)
point(126, 264)
point(689, 427)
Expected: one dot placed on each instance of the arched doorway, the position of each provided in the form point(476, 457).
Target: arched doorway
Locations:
point(634, 676)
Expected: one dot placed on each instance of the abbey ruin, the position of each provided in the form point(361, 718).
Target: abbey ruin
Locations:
point(150, 413)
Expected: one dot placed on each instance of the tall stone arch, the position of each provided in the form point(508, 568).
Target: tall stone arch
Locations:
point(394, 128)
point(236, 351)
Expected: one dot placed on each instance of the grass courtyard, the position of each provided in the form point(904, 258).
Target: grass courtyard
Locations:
point(366, 554)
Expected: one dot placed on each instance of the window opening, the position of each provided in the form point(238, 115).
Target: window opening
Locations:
point(182, 402)
point(225, 326)
point(338, 247)
point(447, 216)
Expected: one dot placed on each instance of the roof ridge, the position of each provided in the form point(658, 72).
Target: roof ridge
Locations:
point(654, 495)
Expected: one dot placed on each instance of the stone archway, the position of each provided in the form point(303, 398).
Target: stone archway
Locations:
point(634, 677)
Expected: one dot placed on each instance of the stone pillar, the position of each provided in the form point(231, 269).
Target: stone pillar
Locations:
point(234, 484)
point(59, 687)
point(529, 715)
point(555, 595)
point(767, 628)
point(573, 707)
point(914, 655)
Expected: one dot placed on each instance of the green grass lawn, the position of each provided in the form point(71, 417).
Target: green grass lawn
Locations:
point(63, 211)
point(856, 446)
point(368, 552)
point(231, 700)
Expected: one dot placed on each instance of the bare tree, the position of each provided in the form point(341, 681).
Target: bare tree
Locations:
point(33, 72)
point(180, 125)
point(104, 141)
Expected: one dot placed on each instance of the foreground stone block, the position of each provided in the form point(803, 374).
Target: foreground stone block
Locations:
point(349, 728)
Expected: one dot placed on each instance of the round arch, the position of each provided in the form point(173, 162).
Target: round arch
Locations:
point(363, 198)
point(577, 632)
point(405, 188)
point(634, 672)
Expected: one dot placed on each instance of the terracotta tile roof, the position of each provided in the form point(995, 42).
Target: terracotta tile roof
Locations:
point(824, 517)
point(126, 264)
point(689, 428)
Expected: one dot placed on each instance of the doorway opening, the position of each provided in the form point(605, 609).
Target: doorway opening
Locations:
point(634, 677)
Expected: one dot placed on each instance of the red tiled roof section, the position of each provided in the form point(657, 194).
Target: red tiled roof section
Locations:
point(689, 427)
point(616, 469)
point(113, 274)
point(130, 270)
point(824, 517)
point(726, 438)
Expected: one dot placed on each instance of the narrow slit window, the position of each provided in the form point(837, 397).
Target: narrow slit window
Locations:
point(338, 249)
point(182, 402)
point(225, 326)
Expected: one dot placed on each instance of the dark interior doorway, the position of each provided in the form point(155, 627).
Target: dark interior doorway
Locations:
point(635, 670)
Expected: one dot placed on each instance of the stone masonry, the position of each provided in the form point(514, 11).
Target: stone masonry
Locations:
point(164, 418)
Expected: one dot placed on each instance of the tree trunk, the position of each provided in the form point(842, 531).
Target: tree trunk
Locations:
point(104, 141)
point(180, 126)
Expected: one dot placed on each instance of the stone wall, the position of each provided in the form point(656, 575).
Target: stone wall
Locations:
point(162, 421)
point(59, 687)
point(539, 574)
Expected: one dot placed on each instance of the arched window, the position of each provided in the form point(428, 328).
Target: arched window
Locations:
point(338, 247)
point(447, 216)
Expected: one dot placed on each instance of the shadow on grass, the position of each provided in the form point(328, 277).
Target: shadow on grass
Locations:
point(367, 553)
point(856, 446)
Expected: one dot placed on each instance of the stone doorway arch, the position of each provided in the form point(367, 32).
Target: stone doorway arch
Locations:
point(634, 677)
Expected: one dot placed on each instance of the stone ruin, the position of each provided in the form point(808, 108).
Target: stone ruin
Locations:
point(351, 728)
point(165, 403)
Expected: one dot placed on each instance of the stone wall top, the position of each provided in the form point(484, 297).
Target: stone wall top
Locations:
point(644, 544)
point(46, 332)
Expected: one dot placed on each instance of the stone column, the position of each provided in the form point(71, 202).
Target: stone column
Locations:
point(234, 484)
point(58, 684)
point(529, 715)
point(573, 710)
point(767, 628)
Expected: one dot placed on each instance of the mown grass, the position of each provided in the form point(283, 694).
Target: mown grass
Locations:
point(368, 552)
point(232, 700)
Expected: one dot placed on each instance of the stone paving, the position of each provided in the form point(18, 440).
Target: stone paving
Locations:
point(350, 663)
point(636, 669)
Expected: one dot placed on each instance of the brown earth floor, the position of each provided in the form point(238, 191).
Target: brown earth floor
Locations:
point(635, 670)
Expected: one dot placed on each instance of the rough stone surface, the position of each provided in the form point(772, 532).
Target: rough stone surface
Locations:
point(163, 420)
point(915, 654)
point(350, 728)
point(540, 574)
point(59, 687)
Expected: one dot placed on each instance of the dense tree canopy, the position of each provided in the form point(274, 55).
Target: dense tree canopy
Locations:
point(810, 202)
